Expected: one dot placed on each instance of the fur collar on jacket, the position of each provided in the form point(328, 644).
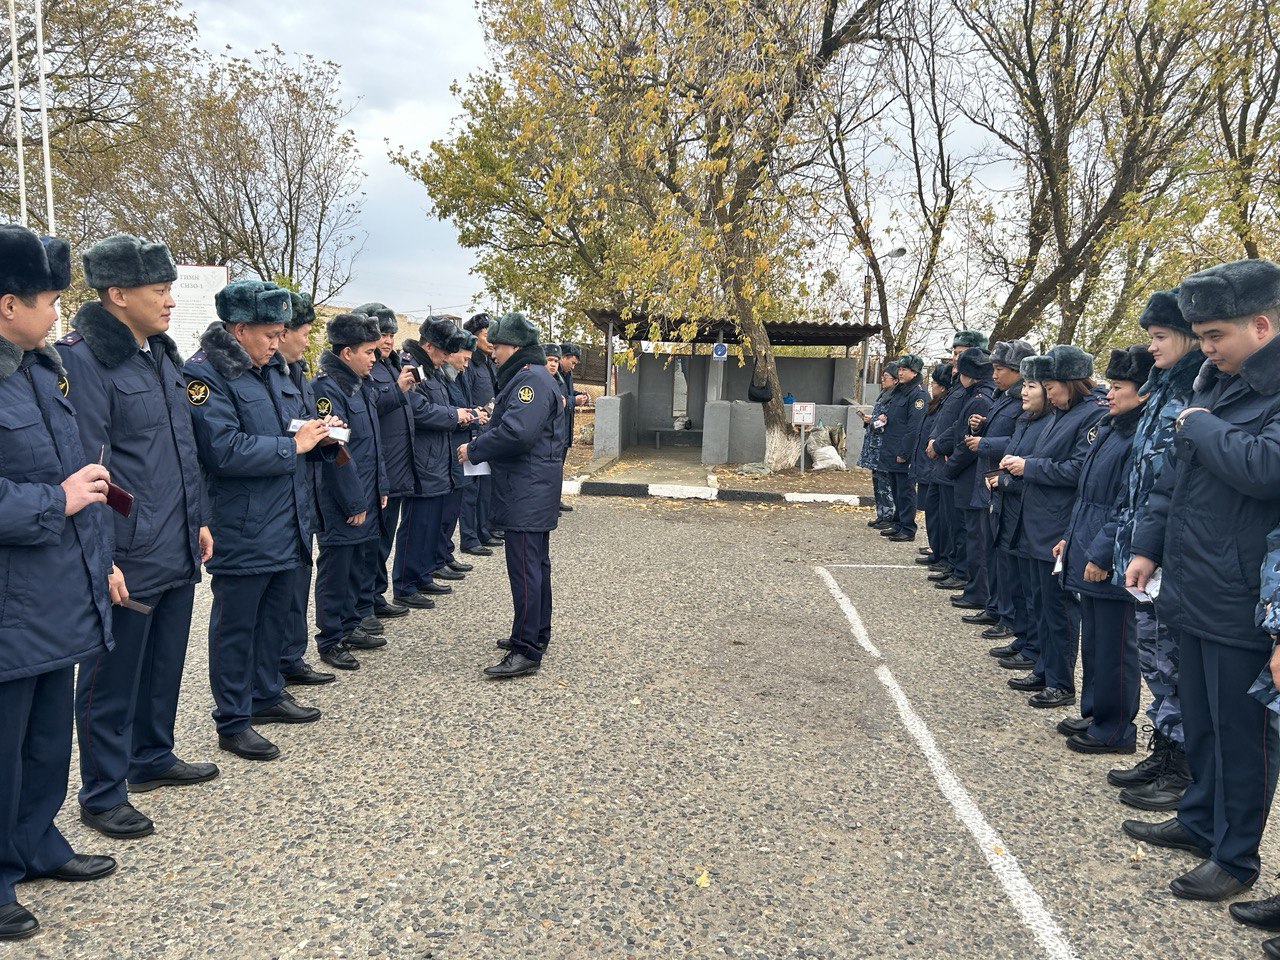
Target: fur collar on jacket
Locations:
point(1261, 370)
point(419, 354)
point(332, 366)
point(224, 351)
point(11, 359)
point(109, 340)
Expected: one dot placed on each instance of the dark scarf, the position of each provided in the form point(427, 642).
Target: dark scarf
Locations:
point(531, 355)
point(109, 339)
point(342, 375)
point(1125, 424)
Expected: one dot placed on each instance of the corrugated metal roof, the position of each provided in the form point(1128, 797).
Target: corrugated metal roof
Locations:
point(782, 333)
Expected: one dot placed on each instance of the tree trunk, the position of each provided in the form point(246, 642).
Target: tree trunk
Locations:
point(781, 442)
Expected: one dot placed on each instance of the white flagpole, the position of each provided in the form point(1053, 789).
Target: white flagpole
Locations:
point(17, 114)
point(44, 121)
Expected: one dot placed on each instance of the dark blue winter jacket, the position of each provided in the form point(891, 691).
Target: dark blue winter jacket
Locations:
point(456, 387)
point(482, 378)
point(961, 467)
point(395, 422)
point(360, 483)
point(1006, 502)
point(522, 446)
point(54, 605)
point(1216, 498)
point(905, 412)
point(434, 421)
point(263, 517)
point(948, 412)
point(1051, 473)
point(923, 467)
point(996, 433)
point(1091, 534)
point(133, 406)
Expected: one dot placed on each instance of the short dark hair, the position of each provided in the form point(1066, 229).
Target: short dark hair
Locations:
point(29, 300)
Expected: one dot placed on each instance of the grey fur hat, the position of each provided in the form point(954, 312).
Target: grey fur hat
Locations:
point(1230, 290)
point(253, 301)
point(30, 263)
point(441, 333)
point(911, 361)
point(125, 261)
point(891, 368)
point(1162, 311)
point(351, 330)
point(1011, 353)
point(1036, 368)
point(468, 341)
point(969, 338)
point(551, 350)
point(304, 311)
point(942, 375)
point(513, 329)
point(975, 363)
point(1132, 363)
point(386, 317)
point(1070, 363)
point(570, 350)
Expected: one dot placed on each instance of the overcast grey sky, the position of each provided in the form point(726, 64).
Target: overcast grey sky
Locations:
point(398, 57)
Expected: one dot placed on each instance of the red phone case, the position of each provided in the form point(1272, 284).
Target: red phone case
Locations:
point(119, 500)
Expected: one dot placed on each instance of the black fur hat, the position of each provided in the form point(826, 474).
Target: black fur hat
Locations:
point(440, 333)
point(304, 311)
point(1036, 368)
point(30, 263)
point(1230, 290)
point(1070, 363)
point(351, 330)
point(975, 363)
point(386, 317)
point(1162, 311)
point(1132, 363)
point(551, 350)
point(942, 375)
point(570, 350)
point(477, 323)
point(468, 341)
point(969, 338)
point(1011, 353)
point(125, 261)
point(252, 301)
point(513, 329)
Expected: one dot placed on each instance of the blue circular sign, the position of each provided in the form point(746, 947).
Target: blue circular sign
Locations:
point(720, 351)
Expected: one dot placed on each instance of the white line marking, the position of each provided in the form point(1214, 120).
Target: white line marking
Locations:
point(849, 498)
point(1003, 864)
point(873, 566)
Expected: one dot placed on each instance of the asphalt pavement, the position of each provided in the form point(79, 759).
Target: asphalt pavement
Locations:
point(711, 763)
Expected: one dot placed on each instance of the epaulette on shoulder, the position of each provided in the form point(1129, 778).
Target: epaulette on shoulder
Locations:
point(72, 338)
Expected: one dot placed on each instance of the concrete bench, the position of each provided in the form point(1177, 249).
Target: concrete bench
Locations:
point(659, 431)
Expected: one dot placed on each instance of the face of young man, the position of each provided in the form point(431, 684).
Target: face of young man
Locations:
point(360, 357)
point(1004, 377)
point(553, 365)
point(24, 324)
point(482, 342)
point(906, 375)
point(386, 344)
point(260, 340)
point(568, 364)
point(460, 360)
point(502, 352)
point(145, 310)
point(293, 343)
point(1227, 344)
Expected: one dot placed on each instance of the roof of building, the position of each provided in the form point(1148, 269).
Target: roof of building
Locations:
point(782, 333)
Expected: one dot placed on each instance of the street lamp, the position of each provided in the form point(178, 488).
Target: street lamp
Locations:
point(894, 254)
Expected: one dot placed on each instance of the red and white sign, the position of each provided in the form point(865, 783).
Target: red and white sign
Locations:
point(804, 414)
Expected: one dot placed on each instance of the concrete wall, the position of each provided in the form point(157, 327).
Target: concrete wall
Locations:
point(734, 431)
point(615, 425)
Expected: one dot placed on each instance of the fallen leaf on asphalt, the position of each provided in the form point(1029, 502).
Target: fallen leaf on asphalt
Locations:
point(704, 880)
point(999, 850)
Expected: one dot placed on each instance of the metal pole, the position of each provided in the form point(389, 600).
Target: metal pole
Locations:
point(17, 114)
point(608, 362)
point(803, 428)
point(44, 121)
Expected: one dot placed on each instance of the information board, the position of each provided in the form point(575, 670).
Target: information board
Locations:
point(193, 294)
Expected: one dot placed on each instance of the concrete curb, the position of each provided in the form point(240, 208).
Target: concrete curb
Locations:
point(677, 491)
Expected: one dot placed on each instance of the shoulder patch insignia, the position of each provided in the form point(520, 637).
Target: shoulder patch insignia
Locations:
point(1093, 433)
point(324, 406)
point(64, 385)
point(197, 392)
point(525, 394)
point(919, 404)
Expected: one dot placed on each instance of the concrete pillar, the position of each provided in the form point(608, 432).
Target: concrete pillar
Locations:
point(715, 383)
point(844, 383)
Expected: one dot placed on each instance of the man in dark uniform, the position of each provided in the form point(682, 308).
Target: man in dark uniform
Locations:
point(243, 403)
point(389, 381)
point(570, 355)
point(293, 349)
point(1216, 498)
point(522, 446)
point(131, 403)
point(904, 414)
point(477, 537)
point(352, 493)
point(55, 561)
point(448, 566)
point(434, 419)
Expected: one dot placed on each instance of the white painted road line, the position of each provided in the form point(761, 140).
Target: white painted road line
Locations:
point(872, 566)
point(1003, 864)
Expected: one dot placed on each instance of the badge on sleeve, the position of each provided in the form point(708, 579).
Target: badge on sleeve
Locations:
point(1092, 434)
point(325, 406)
point(64, 385)
point(525, 394)
point(919, 404)
point(197, 392)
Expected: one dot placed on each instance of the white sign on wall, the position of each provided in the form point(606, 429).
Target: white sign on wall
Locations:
point(804, 414)
point(193, 294)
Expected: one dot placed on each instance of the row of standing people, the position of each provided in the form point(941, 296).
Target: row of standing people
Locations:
point(1133, 526)
point(233, 461)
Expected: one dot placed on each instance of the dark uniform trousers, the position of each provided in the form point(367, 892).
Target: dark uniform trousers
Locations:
point(449, 515)
point(386, 539)
point(1028, 627)
point(953, 532)
point(344, 590)
point(1007, 596)
point(1057, 614)
point(474, 519)
point(248, 627)
point(35, 713)
point(975, 552)
point(1109, 650)
point(928, 498)
point(1233, 742)
point(297, 633)
point(529, 571)
point(127, 700)
point(904, 502)
point(417, 543)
